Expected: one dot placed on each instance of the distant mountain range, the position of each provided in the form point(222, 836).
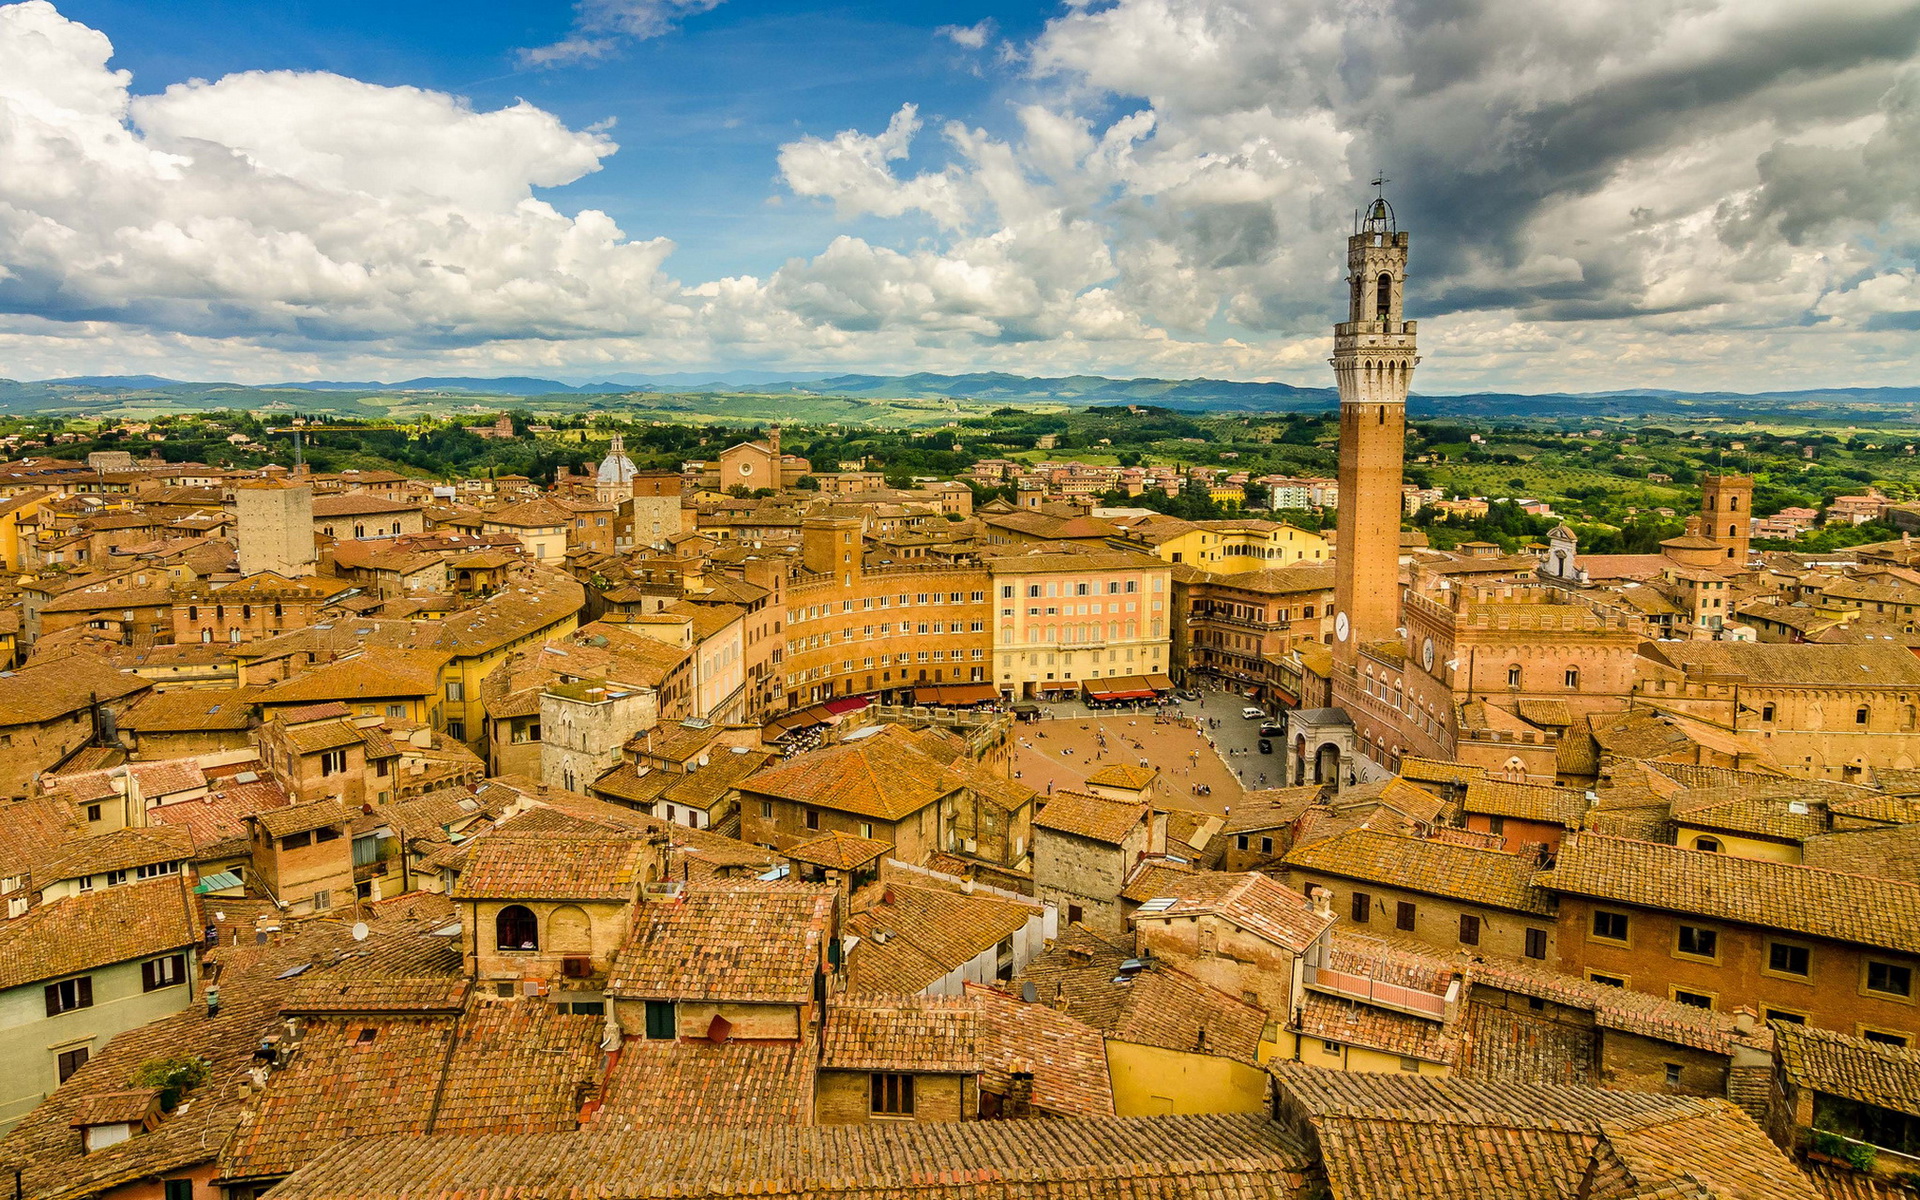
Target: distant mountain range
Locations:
point(87, 392)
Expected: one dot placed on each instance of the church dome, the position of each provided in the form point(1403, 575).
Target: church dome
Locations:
point(616, 467)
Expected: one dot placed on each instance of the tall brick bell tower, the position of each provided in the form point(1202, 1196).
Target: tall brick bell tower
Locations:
point(1373, 360)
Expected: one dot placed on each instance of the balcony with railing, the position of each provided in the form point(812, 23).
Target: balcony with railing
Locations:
point(1372, 973)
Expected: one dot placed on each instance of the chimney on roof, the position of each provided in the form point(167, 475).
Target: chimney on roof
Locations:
point(1322, 901)
point(1743, 1020)
point(1020, 1094)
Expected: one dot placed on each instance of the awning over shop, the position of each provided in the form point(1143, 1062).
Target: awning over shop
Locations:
point(1118, 687)
point(955, 694)
point(847, 704)
point(814, 714)
point(1160, 683)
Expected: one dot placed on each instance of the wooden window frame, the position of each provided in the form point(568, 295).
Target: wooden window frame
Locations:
point(1594, 935)
point(1767, 967)
point(1679, 931)
point(890, 1094)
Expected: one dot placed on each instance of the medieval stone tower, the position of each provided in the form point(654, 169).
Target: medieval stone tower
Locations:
point(1373, 360)
point(1726, 512)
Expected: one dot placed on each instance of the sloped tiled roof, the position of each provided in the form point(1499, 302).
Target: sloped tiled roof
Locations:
point(302, 818)
point(1799, 899)
point(746, 945)
point(1225, 1157)
point(910, 1033)
point(700, 1084)
point(1067, 1058)
point(120, 850)
point(1490, 877)
point(503, 866)
point(97, 929)
point(1260, 905)
point(839, 851)
point(1081, 975)
point(1092, 817)
point(1842, 1065)
point(887, 775)
point(1526, 801)
point(915, 935)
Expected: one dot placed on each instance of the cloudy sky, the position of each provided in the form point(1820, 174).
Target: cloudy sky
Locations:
point(1602, 193)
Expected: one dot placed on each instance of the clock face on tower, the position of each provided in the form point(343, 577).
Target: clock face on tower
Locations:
point(1341, 626)
point(1426, 654)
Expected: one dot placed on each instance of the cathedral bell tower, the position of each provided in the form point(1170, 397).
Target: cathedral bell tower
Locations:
point(1373, 360)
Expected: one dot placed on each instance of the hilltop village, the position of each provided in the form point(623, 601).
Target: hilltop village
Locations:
point(697, 833)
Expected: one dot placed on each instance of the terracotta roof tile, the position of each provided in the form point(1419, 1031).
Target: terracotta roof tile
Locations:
point(1805, 900)
point(747, 945)
point(924, 933)
point(1260, 905)
point(1839, 1064)
point(1225, 1157)
point(888, 775)
point(1095, 818)
point(302, 818)
point(839, 851)
point(1067, 1058)
point(698, 1084)
point(1488, 877)
point(913, 1033)
point(96, 929)
point(503, 866)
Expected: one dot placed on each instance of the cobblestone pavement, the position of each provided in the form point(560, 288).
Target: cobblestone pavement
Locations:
point(1066, 746)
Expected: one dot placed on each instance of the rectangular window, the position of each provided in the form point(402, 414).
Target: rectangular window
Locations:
point(660, 1022)
point(456, 690)
point(813, 818)
point(1074, 914)
point(1608, 980)
point(1781, 1014)
point(70, 1061)
point(1897, 1040)
point(1672, 1074)
point(1403, 916)
point(1890, 979)
point(457, 730)
point(167, 972)
point(333, 762)
point(1696, 942)
point(296, 841)
point(766, 810)
point(1609, 926)
point(1692, 999)
point(1537, 943)
point(1786, 959)
point(69, 994)
point(892, 1094)
point(1469, 930)
point(1362, 908)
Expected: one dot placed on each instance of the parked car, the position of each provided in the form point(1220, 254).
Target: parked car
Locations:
point(1266, 747)
point(1253, 714)
point(1188, 695)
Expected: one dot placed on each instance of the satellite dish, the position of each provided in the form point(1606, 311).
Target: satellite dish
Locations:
point(359, 931)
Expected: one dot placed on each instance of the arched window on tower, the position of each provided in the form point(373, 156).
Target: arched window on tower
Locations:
point(1733, 504)
point(1383, 296)
point(1513, 675)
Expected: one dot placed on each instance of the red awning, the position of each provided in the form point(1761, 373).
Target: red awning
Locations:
point(847, 704)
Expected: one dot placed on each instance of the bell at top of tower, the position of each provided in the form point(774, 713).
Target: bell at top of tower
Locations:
point(1379, 218)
